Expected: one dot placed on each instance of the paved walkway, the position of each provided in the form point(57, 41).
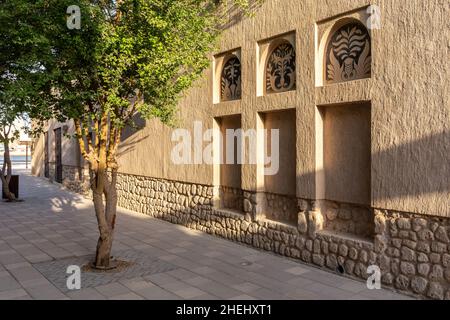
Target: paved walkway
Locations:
point(53, 226)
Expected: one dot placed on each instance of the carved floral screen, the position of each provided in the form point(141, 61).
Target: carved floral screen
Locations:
point(348, 54)
point(280, 69)
point(231, 79)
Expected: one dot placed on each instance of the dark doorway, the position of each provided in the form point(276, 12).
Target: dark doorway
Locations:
point(58, 156)
point(46, 164)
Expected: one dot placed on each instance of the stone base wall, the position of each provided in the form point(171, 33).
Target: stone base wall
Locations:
point(51, 171)
point(231, 198)
point(74, 178)
point(348, 218)
point(281, 208)
point(412, 251)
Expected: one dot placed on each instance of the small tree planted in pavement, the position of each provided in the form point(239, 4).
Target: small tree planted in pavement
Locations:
point(129, 57)
point(20, 44)
point(9, 132)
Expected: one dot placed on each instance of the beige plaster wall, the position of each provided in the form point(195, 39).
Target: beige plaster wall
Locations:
point(69, 146)
point(284, 182)
point(230, 174)
point(346, 143)
point(408, 91)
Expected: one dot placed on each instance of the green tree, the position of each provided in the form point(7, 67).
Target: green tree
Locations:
point(9, 132)
point(129, 57)
point(20, 43)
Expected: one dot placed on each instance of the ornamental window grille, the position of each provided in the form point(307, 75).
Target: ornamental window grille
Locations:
point(280, 68)
point(348, 54)
point(230, 88)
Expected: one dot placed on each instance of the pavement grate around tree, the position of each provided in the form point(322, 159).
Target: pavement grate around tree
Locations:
point(142, 264)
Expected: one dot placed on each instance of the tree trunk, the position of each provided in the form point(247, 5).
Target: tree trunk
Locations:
point(6, 173)
point(105, 205)
point(100, 154)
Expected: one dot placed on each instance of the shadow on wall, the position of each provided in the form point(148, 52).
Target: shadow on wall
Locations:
point(406, 169)
point(413, 171)
point(420, 167)
point(128, 132)
point(129, 139)
point(233, 15)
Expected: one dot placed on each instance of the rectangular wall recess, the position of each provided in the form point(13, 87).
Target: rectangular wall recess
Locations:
point(344, 171)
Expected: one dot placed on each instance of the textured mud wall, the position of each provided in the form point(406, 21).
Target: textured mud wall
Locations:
point(347, 153)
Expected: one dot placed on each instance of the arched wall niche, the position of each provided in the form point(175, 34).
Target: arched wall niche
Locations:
point(345, 52)
point(231, 78)
point(280, 67)
point(227, 76)
point(282, 75)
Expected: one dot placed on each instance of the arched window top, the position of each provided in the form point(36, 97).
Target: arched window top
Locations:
point(348, 53)
point(280, 68)
point(231, 79)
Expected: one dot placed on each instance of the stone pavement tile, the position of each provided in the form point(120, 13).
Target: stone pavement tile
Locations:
point(296, 271)
point(5, 248)
point(136, 283)
point(117, 246)
point(246, 287)
point(17, 265)
point(383, 294)
point(198, 281)
point(224, 278)
point(182, 274)
point(177, 250)
point(35, 283)
point(8, 283)
point(206, 296)
point(353, 286)
point(127, 296)
point(142, 246)
point(11, 258)
point(360, 297)
point(264, 281)
point(85, 294)
point(243, 297)
point(189, 292)
point(183, 263)
point(302, 294)
point(28, 250)
point(203, 270)
point(329, 292)
point(325, 278)
point(156, 293)
point(174, 286)
point(26, 274)
point(16, 241)
point(183, 243)
point(45, 292)
point(38, 258)
point(274, 274)
point(214, 254)
point(220, 290)
point(12, 294)
point(301, 282)
point(27, 297)
point(160, 278)
point(266, 294)
point(58, 253)
point(112, 289)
